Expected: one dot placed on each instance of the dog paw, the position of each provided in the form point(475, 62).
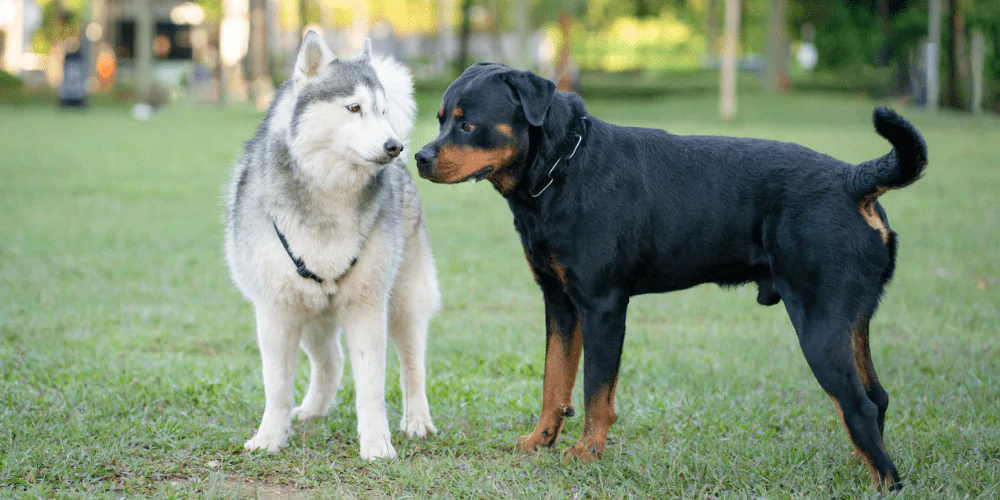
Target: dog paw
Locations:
point(268, 442)
point(417, 427)
point(303, 413)
point(585, 450)
point(529, 443)
point(377, 447)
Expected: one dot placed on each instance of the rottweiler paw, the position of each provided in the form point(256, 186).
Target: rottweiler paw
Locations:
point(529, 443)
point(585, 450)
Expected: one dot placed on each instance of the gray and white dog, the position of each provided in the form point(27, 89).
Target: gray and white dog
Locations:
point(324, 234)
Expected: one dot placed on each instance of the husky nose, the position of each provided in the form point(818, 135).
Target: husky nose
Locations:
point(393, 148)
point(425, 160)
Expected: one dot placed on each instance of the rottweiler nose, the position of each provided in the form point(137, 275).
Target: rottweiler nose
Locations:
point(393, 148)
point(425, 161)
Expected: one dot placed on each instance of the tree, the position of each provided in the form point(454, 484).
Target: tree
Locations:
point(463, 37)
point(260, 74)
point(958, 70)
point(727, 86)
point(933, 54)
point(144, 50)
point(776, 74)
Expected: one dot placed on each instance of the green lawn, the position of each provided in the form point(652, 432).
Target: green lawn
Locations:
point(129, 365)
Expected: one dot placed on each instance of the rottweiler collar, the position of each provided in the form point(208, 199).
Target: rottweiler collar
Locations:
point(300, 266)
point(576, 145)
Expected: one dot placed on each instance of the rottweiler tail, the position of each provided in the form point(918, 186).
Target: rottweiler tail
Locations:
point(899, 168)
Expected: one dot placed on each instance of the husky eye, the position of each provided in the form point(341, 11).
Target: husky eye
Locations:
point(467, 127)
point(354, 108)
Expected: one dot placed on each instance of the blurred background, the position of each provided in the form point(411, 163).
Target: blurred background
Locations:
point(128, 363)
point(159, 52)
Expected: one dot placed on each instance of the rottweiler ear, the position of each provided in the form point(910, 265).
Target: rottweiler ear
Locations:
point(534, 92)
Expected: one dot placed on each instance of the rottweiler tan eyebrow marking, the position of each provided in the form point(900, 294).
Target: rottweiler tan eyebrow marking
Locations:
point(606, 213)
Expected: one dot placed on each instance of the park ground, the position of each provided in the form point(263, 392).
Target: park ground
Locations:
point(129, 365)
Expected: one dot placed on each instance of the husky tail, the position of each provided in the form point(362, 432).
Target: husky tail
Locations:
point(899, 168)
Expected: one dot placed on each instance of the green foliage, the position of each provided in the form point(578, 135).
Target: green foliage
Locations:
point(846, 37)
point(9, 82)
point(60, 21)
point(129, 365)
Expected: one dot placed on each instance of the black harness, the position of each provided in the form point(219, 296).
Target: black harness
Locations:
point(300, 267)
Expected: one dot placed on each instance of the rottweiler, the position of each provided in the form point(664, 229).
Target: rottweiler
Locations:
point(606, 212)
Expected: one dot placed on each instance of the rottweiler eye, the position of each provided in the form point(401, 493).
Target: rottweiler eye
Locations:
point(354, 108)
point(467, 127)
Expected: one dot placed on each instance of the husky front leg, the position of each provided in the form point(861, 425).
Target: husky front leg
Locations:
point(364, 326)
point(278, 336)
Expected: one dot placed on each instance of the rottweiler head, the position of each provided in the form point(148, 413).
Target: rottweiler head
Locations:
point(485, 118)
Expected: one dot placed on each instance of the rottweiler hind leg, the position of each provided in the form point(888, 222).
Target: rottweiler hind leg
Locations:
point(827, 343)
point(866, 370)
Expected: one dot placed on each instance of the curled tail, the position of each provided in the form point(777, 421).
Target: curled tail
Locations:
point(899, 168)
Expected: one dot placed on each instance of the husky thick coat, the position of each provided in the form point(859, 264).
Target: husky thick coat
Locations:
point(324, 234)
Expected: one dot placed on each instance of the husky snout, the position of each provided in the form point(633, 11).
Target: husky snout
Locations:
point(393, 148)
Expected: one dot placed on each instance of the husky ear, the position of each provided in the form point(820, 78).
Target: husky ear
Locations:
point(534, 92)
point(313, 56)
point(366, 51)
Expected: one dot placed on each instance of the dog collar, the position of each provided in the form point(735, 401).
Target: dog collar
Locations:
point(579, 139)
point(300, 266)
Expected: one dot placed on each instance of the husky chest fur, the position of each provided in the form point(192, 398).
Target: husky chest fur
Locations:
point(325, 234)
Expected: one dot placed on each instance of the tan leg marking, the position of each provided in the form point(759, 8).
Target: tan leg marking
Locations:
point(601, 415)
point(562, 359)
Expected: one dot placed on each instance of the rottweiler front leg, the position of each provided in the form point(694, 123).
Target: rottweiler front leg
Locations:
point(563, 345)
point(603, 321)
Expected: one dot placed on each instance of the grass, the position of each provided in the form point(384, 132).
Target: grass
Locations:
point(129, 366)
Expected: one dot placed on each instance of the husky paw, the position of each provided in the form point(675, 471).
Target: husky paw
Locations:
point(375, 447)
point(304, 412)
point(270, 443)
point(417, 426)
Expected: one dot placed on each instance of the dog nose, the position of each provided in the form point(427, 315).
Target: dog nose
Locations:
point(393, 147)
point(425, 159)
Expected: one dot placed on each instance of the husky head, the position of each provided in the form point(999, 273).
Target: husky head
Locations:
point(348, 113)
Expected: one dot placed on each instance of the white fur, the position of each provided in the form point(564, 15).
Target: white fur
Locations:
point(390, 293)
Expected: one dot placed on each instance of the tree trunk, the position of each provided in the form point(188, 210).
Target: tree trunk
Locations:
point(521, 27)
point(727, 105)
point(144, 50)
point(977, 64)
point(463, 35)
point(259, 74)
point(712, 27)
point(234, 35)
point(446, 33)
point(14, 41)
point(957, 70)
point(564, 80)
point(776, 74)
point(933, 55)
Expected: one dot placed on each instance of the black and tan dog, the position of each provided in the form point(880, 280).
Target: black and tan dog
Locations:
point(607, 212)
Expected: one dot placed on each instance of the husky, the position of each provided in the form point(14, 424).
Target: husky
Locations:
point(325, 234)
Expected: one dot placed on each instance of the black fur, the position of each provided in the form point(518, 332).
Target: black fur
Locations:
point(639, 211)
